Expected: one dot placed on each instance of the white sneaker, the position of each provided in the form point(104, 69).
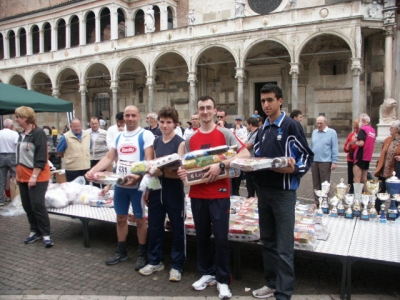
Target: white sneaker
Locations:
point(203, 282)
point(150, 269)
point(174, 275)
point(224, 291)
point(264, 292)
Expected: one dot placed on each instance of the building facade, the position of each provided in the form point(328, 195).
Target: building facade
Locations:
point(333, 57)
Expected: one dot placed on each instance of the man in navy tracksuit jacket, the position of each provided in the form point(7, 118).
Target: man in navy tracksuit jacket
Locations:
point(276, 191)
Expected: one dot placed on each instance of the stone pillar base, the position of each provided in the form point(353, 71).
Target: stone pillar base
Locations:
point(383, 132)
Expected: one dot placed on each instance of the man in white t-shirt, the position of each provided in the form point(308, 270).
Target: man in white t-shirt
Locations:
point(131, 145)
point(8, 141)
point(113, 130)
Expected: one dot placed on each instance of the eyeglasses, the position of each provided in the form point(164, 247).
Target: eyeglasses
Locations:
point(220, 117)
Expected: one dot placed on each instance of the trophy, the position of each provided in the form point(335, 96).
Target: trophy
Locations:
point(320, 194)
point(382, 218)
point(334, 202)
point(364, 214)
point(326, 187)
point(397, 198)
point(357, 198)
point(373, 187)
point(383, 197)
point(349, 199)
point(393, 188)
point(341, 190)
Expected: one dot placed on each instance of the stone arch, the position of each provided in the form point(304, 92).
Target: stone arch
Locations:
point(257, 42)
point(46, 27)
point(43, 82)
point(74, 23)
point(171, 17)
point(90, 19)
point(138, 21)
point(105, 23)
point(206, 48)
point(122, 16)
point(18, 80)
point(61, 26)
point(120, 64)
point(11, 43)
point(317, 34)
point(21, 34)
point(1, 46)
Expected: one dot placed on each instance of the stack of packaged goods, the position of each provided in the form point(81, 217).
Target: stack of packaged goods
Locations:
point(308, 227)
point(243, 225)
point(196, 161)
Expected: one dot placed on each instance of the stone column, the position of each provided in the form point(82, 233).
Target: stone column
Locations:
point(192, 93)
point(17, 46)
point(29, 43)
point(67, 36)
point(129, 26)
point(294, 71)
point(82, 31)
point(239, 76)
point(114, 89)
point(83, 91)
point(6, 46)
point(56, 94)
point(150, 86)
point(358, 105)
point(385, 116)
point(114, 23)
point(98, 29)
point(54, 41)
point(163, 17)
point(41, 41)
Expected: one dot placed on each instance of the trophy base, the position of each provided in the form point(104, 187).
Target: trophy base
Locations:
point(365, 217)
point(320, 214)
point(382, 220)
point(325, 211)
point(372, 216)
point(391, 217)
point(357, 214)
point(334, 215)
point(341, 212)
point(349, 216)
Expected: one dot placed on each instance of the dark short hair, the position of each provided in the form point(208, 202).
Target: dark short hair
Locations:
point(272, 88)
point(205, 98)
point(260, 119)
point(94, 118)
point(168, 112)
point(295, 113)
point(252, 121)
point(119, 116)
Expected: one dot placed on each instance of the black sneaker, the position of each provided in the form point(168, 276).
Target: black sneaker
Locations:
point(33, 237)
point(48, 243)
point(117, 258)
point(141, 262)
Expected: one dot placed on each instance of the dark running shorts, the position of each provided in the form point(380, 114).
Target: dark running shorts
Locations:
point(362, 164)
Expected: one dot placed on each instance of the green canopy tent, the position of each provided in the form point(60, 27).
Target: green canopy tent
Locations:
point(12, 97)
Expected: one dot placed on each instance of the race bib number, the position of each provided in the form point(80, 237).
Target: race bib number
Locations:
point(123, 168)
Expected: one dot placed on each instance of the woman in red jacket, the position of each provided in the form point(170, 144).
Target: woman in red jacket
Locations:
point(349, 147)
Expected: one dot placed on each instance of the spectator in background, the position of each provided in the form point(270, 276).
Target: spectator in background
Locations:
point(179, 125)
point(297, 115)
point(65, 129)
point(98, 139)
point(33, 175)
point(74, 147)
point(390, 155)
point(194, 125)
point(115, 129)
point(260, 121)
point(325, 145)
point(151, 120)
point(54, 135)
point(221, 119)
point(239, 129)
point(255, 114)
point(365, 142)
point(252, 127)
point(8, 143)
point(349, 147)
point(102, 122)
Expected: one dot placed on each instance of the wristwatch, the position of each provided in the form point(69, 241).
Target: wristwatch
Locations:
point(34, 176)
point(222, 165)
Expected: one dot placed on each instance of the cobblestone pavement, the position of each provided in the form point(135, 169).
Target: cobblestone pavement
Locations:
point(70, 271)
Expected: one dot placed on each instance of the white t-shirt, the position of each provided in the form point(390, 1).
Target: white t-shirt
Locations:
point(8, 140)
point(127, 145)
point(112, 132)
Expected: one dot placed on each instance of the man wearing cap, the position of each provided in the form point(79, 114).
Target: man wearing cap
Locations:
point(239, 129)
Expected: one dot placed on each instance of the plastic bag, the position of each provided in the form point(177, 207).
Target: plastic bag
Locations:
point(56, 198)
point(149, 183)
point(13, 209)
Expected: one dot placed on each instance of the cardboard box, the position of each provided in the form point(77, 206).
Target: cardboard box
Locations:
point(60, 176)
point(195, 176)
